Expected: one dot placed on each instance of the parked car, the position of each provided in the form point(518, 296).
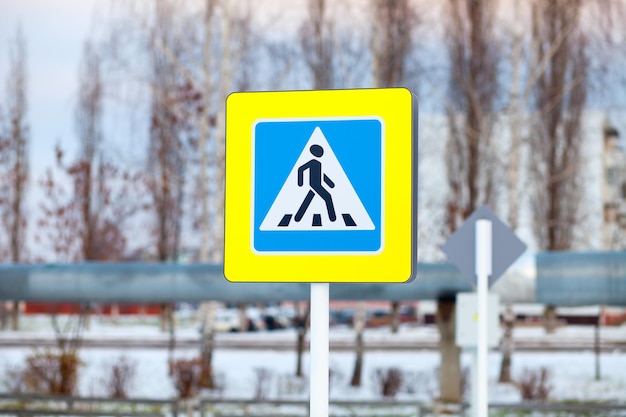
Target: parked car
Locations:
point(343, 317)
point(227, 320)
point(378, 318)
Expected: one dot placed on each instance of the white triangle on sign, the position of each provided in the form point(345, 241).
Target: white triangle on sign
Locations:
point(349, 210)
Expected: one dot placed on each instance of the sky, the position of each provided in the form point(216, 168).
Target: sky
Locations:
point(55, 32)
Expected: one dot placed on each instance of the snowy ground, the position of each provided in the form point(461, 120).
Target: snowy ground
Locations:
point(573, 373)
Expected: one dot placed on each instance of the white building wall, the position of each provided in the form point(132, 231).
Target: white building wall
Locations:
point(433, 187)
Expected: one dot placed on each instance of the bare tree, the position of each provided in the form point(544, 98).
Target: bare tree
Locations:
point(316, 36)
point(550, 83)
point(559, 99)
point(470, 159)
point(14, 154)
point(86, 222)
point(204, 45)
point(101, 236)
point(514, 173)
point(332, 47)
point(14, 143)
point(393, 24)
point(473, 89)
point(233, 47)
point(391, 41)
point(167, 147)
point(194, 52)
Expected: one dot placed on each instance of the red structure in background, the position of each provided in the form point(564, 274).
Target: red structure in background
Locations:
point(615, 319)
point(103, 309)
point(378, 312)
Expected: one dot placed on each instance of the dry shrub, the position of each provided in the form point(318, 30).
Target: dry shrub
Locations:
point(289, 384)
point(120, 378)
point(466, 382)
point(51, 373)
point(13, 381)
point(185, 374)
point(335, 376)
point(388, 381)
point(262, 383)
point(534, 384)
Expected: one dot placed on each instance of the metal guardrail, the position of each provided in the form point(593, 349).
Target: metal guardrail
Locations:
point(272, 408)
point(572, 409)
point(54, 405)
point(556, 278)
point(37, 405)
point(46, 405)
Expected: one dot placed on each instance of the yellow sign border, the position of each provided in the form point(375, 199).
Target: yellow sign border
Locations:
point(396, 260)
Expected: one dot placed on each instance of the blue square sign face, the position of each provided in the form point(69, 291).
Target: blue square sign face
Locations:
point(317, 185)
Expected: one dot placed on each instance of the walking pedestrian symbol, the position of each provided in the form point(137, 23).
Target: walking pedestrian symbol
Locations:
point(315, 181)
point(315, 189)
point(319, 190)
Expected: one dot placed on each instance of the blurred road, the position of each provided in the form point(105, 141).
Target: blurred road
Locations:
point(287, 342)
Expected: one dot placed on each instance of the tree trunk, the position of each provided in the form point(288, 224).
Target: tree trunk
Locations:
point(243, 318)
point(169, 312)
point(301, 324)
point(15, 316)
point(207, 379)
point(300, 348)
point(358, 363)
point(550, 319)
point(4, 314)
point(163, 317)
point(359, 326)
point(507, 346)
point(208, 311)
point(395, 316)
point(450, 367)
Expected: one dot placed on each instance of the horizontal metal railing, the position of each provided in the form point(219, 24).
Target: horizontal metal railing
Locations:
point(576, 409)
point(47, 405)
point(271, 408)
point(54, 405)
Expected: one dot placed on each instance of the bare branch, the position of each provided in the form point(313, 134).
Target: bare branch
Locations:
point(14, 144)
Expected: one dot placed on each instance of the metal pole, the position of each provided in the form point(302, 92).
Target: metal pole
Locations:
point(483, 270)
point(596, 346)
point(320, 295)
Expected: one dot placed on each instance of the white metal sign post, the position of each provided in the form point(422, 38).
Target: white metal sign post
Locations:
point(318, 367)
point(483, 271)
point(471, 249)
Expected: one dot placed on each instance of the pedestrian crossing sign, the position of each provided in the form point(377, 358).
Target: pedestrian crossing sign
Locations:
point(320, 186)
point(317, 195)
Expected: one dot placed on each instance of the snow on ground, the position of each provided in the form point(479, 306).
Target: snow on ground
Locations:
point(572, 372)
